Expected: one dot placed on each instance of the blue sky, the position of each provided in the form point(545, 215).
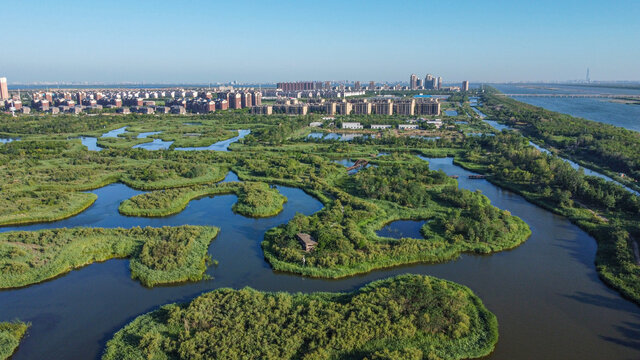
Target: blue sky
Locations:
point(268, 41)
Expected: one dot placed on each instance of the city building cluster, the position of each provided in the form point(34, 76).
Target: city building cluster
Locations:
point(432, 82)
point(174, 101)
point(397, 106)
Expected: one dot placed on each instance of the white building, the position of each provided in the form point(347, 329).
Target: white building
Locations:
point(315, 124)
point(380, 126)
point(407, 126)
point(437, 123)
point(352, 125)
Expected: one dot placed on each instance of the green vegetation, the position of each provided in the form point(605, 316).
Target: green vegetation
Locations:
point(41, 206)
point(604, 209)
point(158, 255)
point(609, 149)
point(408, 317)
point(44, 172)
point(10, 335)
point(398, 188)
point(254, 200)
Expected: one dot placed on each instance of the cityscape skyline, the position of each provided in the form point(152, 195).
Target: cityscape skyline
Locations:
point(265, 43)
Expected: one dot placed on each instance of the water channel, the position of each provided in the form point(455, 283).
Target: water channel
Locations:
point(546, 294)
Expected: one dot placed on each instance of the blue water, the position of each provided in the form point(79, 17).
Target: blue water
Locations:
point(601, 110)
point(220, 145)
point(144, 135)
point(546, 294)
point(91, 143)
point(7, 140)
point(114, 133)
point(348, 163)
point(451, 113)
point(159, 144)
point(156, 144)
point(402, 229)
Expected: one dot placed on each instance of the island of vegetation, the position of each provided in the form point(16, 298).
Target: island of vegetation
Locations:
point(255, 199)
point(397, 188)
point(406, 317)
point(158, 255)
point(10, 335)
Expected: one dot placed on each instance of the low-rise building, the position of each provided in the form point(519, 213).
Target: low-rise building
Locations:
point(408, 126)
point(352, 125)
point(315, 124)
point(307, 241)
point(380, 126)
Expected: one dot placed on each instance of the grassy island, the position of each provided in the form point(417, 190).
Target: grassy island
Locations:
point(26, 207)
point(10, 335)
point(158, 255)
point(406, 317)
point(398, 188)
point(255, 199)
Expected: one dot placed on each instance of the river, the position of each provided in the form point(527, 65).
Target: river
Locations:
point(546, 294)
point(597, 109)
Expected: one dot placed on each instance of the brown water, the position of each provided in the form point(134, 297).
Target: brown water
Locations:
point(546, 294)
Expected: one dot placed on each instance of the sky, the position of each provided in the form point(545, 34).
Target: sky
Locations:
point(268, 41)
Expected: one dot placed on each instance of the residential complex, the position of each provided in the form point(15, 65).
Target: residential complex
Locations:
point(399, 106)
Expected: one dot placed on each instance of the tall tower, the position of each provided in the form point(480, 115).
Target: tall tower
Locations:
point(413, 82)
point(4, 90)
point(588, 79)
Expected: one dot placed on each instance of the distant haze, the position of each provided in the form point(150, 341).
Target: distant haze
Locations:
point(269, 41)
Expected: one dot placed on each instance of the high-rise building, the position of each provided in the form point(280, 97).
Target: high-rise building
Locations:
point(427, 107)
point(357, 85)
point(361, 108)
point(372, 85)
point(413, 82)
point(300, 85)
point(434, 83)
point(428, 81)
point(404, 107)
point(234, 101)
point(439, 82)
point(4, 90)
point(383, 107)
point(465, 85)
point(419, 83)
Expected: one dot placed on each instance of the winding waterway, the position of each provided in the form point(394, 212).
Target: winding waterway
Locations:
point(546, 294)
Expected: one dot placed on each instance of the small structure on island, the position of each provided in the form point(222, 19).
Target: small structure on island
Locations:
point(306, 241)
